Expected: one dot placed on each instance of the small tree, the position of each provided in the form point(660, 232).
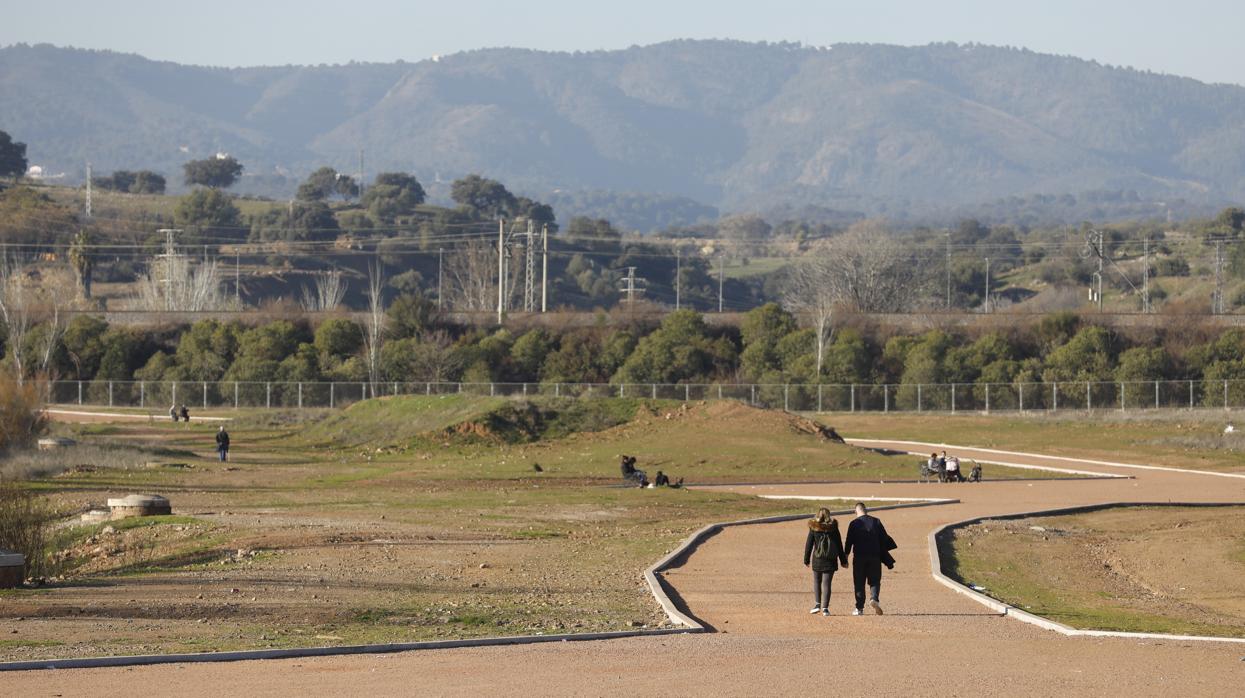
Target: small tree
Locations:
point(374, 323)
point(80, 260)
point(219, 172)
point(12, 157)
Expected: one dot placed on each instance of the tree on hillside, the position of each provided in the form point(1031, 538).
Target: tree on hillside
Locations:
point(218, 172)
point(30, 217)
point(304, 220)
point(12, 157)
point(209, 213)
point(324, 183)
point(486, 198)
point(141, 182)
point(393, 194)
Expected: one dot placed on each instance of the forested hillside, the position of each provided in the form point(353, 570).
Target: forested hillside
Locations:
point(860, 129)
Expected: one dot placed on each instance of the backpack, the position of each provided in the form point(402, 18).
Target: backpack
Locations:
point(821, 546)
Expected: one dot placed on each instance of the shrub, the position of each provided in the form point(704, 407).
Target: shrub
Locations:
point(25, 524)
point(21, 412)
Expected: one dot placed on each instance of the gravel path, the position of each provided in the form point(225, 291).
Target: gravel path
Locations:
point(749, 585)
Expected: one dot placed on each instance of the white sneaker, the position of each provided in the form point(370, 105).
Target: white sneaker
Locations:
point(815, 609)
point(825, 611)
point(857, 612)
point(877, 607)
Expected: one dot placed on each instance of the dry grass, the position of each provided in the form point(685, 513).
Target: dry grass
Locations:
point(21, 411)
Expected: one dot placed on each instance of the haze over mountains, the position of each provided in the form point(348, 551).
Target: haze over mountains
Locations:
point(865, 128)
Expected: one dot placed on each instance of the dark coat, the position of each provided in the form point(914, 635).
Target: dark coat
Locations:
point(868, 538)
point(222, 441)
point(838, 556)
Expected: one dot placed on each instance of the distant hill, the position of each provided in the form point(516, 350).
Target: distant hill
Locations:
point(732, 125)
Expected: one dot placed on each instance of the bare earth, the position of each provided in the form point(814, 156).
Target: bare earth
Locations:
point(748, 584)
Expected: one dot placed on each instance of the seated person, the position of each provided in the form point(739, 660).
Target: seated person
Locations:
point(953, 470)
point(975, 474)
point(662, 480)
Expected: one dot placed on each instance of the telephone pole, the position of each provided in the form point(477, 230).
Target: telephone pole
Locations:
point(986, 305)
point(632, 285)
point(440, 255)
point(948, 271)
point(360, 174)
point(529, 271)
point(501, 268)
point(1145, 274)
point(237, 279)
point(720, 276)
point(544, 267)
point(1217, 299)
point(678, 277)
point(88, 190)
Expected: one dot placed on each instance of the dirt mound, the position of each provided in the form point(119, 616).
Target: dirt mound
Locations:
point(728, 416)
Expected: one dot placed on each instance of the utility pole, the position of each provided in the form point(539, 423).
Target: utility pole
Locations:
point(501, 267)
point(360, 174)
point(544, 267)
point(237, 279)
point(987, 303)
point(948, 271)
point(1145, 274)
point(1217, 299)
point(720, 277)
point(631, 286)
point(529, 271)
point(88, 190)
point(1094, 246)
point(678, 277)
point(169, 253)
point(440, 255)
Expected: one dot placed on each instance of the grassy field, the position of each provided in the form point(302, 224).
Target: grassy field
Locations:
point(1170, 438)
point(394, 520)
point(1168, 570)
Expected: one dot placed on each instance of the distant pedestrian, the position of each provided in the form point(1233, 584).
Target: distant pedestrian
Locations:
point(173, 412)
point(185, 414)
point(871, 544)
point(823, 553)
point(222, 443)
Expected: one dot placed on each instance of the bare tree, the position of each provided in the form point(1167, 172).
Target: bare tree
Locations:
point(329, 290)
point(173, 282)
point(374, 323)
point(471, 273)
point(15, 310)
point(865, 268)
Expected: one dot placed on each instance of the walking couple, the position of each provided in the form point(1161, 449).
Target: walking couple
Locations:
point(825, 551)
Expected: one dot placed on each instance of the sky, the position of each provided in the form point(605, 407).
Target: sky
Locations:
point(1193, 38)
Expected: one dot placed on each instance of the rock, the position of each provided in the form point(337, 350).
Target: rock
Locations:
point(108, 530)
point(1039, 529)
point(483, 565)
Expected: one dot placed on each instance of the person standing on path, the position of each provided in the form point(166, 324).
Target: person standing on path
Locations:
point(222, 443)
point(823, 553)
point(868, 539)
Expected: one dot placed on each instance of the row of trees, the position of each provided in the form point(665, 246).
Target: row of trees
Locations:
point(409, 342)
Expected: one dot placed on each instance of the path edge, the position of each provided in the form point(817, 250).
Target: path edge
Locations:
point(1005, 609)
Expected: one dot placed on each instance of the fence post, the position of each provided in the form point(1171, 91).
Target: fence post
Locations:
point(1022, 397)
point(886, 398)
point(953, 398)
point(653, 386)
point(819, 397)
point(79, 392)
point(1190, 394)
point(622, 390)
point(720, 391)
point(1225, 395)
point(205, 395)
point(1054, 396)
point(1156, 395)
point(300, 395)
point(525, 390)
point(1121, 396)
point(142, 394)
point(110, 393)
point(557, 390)
point(235, 395)
point(1088, 405)
point(268, 394)
point(332, 394)
point(918, 397)
point(492, 389)
point(987, 398)
point(687, 392)
point(174, 392)
point(395, 388)
point(853, 397)
point(754, 394)
point(428, 388)
point(460, 388)
point(364, 386)
point(786, 401)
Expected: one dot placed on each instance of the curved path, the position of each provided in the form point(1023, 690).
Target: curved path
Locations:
point(747, 583)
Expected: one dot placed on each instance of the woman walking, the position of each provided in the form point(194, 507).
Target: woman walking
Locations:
point(823, 553)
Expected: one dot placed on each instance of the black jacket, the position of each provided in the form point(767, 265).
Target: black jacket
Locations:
point(868, 538)
point(222, 440)
point(838, 557)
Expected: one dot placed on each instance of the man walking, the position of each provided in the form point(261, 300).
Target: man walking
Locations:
point(222, 443)
point(868, 539)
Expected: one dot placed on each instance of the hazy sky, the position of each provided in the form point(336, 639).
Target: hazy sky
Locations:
point(1197, 38)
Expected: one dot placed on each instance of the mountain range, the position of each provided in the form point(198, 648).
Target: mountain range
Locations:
point(735, 125)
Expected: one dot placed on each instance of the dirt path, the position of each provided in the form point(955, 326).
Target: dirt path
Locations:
point(748, 584)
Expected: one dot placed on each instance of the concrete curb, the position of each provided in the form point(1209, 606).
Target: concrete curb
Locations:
point(1004, 609)
point(1110, 464)
point(1019, 466)
point(656, 583)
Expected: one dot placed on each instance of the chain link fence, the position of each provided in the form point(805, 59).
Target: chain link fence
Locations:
point(944, 397)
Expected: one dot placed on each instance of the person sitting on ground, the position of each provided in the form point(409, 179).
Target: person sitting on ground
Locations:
point(662, 480)
point(185, 414)
point(975, 474)
point(173, 412)
point(823, 554)
point(953, 470)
